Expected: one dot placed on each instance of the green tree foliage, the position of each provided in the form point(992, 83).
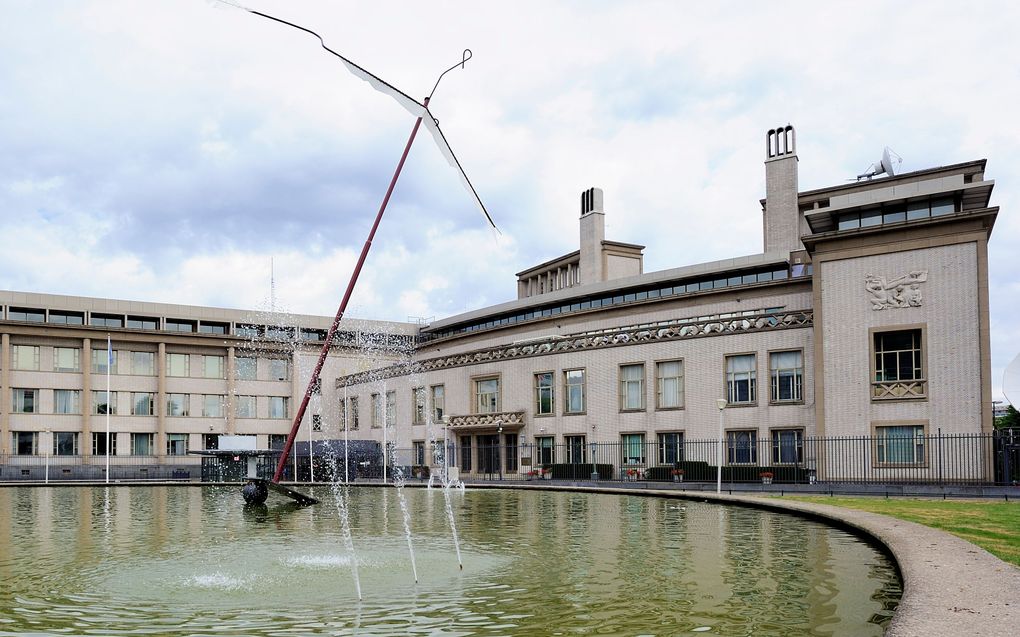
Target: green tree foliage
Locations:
point(1011, 419)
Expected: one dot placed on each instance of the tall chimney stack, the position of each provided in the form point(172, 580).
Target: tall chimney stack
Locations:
point(782, 214)
point(593, 233)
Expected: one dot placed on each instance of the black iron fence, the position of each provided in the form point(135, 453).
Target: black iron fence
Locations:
point(937, 459)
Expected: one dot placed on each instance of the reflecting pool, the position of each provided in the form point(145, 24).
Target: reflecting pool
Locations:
point(191, 560)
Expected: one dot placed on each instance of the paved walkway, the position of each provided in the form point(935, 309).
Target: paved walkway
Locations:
point(951, 588)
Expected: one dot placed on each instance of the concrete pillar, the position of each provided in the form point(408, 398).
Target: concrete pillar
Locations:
point(231, 391)
point(5, 394)
point(86, 397)
point(161, 400)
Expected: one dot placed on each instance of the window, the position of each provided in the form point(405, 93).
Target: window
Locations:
point(66, 401)
point(487, 395)
point(250, 332)
point(575, 449)
point(316, 422)
point(25, 357)
point(742, 447)
point(25, 443)
point(787, 446)
point(179, 325)
point(418, 449)
point(103, 360)
point(177, 444)
point(106, 320)
point(26, 314)
point(278, 407)
point(212, 405)
point(279, 369)
point(66, 359)
point(465, 454)
point(900, 444)
point(26, 401)
point(103, 403)
point(418, 402)
point(245, 407)
point(899, 369)
point(573, 383)
point(99, 443)
point(141, 444)
point(178, 404)
point(245, 368)
point(546, 452)
point(213, 328)
point(740, 379)
point(141, 405)
point(213, 367)
point(142, 323)
point(633, 448)
point(391, 408)
point(277, 441)
point(376, 411)
point(632, 387)
point(349, 416)
point(438, 403)
point(786, 376)
point(178, 365)
point(669, 385)
point(671, 447)
point(65, 443)
point(544, 394)
point(66, 318)
point(143, 363)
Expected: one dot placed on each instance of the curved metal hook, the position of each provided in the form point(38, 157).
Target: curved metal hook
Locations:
point(463, 60)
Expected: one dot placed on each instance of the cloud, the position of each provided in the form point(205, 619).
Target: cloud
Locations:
point(166, 150)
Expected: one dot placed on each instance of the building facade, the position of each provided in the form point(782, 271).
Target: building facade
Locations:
point(864, 318)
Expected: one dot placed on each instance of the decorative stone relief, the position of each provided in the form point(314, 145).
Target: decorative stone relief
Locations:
point(594, 340)
point(903, 291)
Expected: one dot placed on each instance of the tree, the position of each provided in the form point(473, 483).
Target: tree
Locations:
point(1010, 420)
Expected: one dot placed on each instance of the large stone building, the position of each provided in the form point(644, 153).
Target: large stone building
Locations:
point(865, 316)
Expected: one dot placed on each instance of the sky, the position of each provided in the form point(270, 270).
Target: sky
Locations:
point(170, 151)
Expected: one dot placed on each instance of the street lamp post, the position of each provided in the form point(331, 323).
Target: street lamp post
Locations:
point(499, 439)
point(721, 404)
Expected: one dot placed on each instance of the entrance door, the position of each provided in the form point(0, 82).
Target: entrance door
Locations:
point(488, 454)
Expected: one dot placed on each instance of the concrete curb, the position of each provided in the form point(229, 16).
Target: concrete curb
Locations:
point(951, 588)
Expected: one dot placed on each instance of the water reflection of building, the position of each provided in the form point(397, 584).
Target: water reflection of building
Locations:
point(890, 274)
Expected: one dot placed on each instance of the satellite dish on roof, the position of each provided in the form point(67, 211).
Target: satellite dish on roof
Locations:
point(888, 164)
point(1011, 381)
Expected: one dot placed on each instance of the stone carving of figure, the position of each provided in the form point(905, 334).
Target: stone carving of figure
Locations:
point(903, 291)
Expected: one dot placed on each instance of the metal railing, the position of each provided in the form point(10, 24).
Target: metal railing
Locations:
point(934, 459)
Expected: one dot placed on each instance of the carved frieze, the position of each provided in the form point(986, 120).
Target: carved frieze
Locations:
point(594, 340)
point(903, 291)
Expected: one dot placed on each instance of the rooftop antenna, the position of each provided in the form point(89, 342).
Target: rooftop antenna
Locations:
point(888, 164)
point(423, 116)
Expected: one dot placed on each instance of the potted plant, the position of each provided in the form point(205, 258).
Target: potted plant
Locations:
point(547, 473)
point(678, 475)
point(766, 477)
point(632, 474)
point(534, 473)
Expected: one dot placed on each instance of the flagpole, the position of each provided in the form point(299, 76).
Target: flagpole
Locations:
point(109, 364)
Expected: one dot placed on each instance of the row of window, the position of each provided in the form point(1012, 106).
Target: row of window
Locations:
point(716, 282)
point(894, 213)
point(68, 359)
point(66, 443)
point(68, 401)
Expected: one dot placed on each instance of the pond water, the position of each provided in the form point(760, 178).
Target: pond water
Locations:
point(192, 561)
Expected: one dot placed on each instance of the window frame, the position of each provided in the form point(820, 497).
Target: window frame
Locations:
point(583, 388)
point(76, 357)
point(752, 380)
point(246, 398)
point(878, 446)
point(776, 446)
point(238, 367)
point(538, 390)
point(111, 402)
point(662, 446)
point(541, 447)
point(152, 371)
point(136, 396)
point(419, 408)
point(681, 390)
point(285, 404)
point(438, 407)
point(16, 362)
point(75, 397)
point(732, 447)
point(623, 384)
point(876, 385)
point(477, 395)
point(798, 382)
point(627, 461)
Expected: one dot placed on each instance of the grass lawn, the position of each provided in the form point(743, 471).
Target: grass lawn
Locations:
point(994, 526)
